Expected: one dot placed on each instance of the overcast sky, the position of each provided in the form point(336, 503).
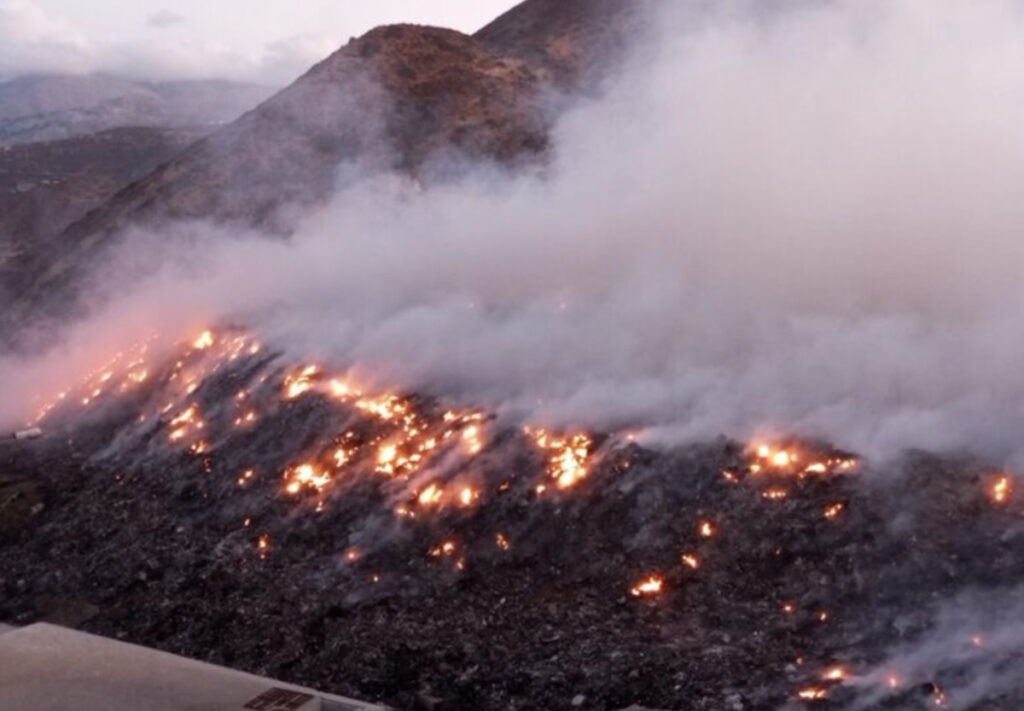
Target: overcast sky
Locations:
point(271, 41)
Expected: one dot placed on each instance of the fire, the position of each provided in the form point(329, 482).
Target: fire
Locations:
point(774, 494)
point(431, 496)
point(203, 341)
point(691, 561)
point(341, 456)
point(247, 419)
point(300, 383)
point(467, 496)
point(567, 456)
point(353, 555)
point(386, 456)
point(835, 674)
point(648, 587)
point(502, 542)
point(263, 544)
point(387, 407)
point(706, 529)
point(786, 461)
point(832, 511)
point(445, 549)
point(472, 437)
point(812, 693)
point(340, 389)
point(1001, 489)
point(306, 476)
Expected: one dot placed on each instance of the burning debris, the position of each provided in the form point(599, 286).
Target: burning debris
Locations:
point(383, 500)
point(648, 587)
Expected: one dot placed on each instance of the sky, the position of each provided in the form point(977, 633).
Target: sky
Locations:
point(266, 41)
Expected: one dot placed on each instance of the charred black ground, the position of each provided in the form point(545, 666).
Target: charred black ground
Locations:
point(108, 527)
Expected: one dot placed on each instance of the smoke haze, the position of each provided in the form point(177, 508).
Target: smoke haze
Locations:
point(804, 222)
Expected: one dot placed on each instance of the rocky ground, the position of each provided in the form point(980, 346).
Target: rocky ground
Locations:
point(532, 607)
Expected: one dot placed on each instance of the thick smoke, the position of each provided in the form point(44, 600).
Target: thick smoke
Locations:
point(804, 221)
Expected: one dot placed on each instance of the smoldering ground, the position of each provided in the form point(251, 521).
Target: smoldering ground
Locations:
point(799, 221)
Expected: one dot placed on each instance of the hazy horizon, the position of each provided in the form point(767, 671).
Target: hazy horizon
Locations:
point(266, 42)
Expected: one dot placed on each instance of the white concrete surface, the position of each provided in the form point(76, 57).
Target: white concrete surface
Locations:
point(49, 668)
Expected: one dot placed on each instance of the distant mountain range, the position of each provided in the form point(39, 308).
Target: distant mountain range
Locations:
point(46, 108)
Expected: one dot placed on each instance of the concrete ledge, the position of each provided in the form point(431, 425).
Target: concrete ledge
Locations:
point(49, 668)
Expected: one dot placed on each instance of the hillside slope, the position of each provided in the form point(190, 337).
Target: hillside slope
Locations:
point(46, 186)
point(406, 99)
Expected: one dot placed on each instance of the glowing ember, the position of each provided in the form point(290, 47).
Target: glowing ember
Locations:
point(567, 457)
point(341, 390)
point(832, 511)
point(647, 588)
point(691, 561)
point(835, 674)
point(431, 496)
point(774, 494)
point(502, 542)
point(445, 549)
point(706, 529)
point(386, 457)
point(785, 461)
point(300, 383)
point(812, 693)
point(204, 341)
point(306, 476)
point(467, 496)
point(1001, 489)
point(472, 437)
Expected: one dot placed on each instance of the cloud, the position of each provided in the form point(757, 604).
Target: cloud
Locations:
point(164, 18)
point(805, 222)
point(31, 40)
point(34, 41)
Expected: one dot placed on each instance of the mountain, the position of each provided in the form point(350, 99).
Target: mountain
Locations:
point(413, 100)
point(54, 107)
point(573, 43)
point(46, 186)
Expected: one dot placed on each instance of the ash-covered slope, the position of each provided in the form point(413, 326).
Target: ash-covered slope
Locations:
point(226, 504)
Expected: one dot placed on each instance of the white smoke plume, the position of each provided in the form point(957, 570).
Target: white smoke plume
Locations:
point(804, 221)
